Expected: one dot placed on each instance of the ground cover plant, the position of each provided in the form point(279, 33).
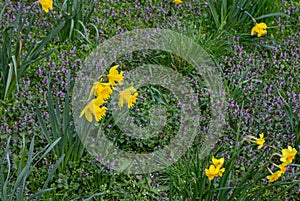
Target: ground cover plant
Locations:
point(253, 44)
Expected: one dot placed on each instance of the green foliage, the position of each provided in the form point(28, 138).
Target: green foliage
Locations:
point(61, 127)
point(80, 177)
point(187, 179)
point(293, 118)
point(76, 14)
point(156, 97)
point(225, 19)
point(238, 16)
point(18, 52)
point(81, 180)
point(13, 183)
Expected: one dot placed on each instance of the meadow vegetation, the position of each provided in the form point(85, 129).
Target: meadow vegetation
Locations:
point(253, 44)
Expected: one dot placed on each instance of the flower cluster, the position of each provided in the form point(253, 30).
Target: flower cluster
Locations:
point(102, 92)
point(215, 169)
point(287, 157)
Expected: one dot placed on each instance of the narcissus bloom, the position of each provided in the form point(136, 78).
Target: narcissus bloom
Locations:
point(93, 109)
point(217, 162)
point(274, 176)
point(259, 29)
point(215, 169)
point(221, 171)
point(128, 96)
point(260, 141)
point(212, 172)
point(282, 168)
point(132, 100)
point(288, 155)
point(46, 5)
point(114, 76)
point(177, 1)
point(102, 90)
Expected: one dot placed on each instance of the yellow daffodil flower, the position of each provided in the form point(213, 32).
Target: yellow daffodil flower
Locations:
point(260, 141)
point(221, 171)
point(259, 29)
point(128, 96)
point(114, 76)
point(93, 108)
point(218, 162)
point(177, 1)
point(102, 90)
point(288, 155)
point(212, 172)
point(132, 100)
point(215, 169)
point(46, 5)
point(282, 168)
point(275, 176)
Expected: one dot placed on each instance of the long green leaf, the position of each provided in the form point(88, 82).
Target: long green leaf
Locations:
point(42, 125)
point(278, 195)
point(21, 178)
point(36, 52)
point(223, 10)
point(54, 122)
point(49, 148)
point(28, 29)
point(50, 175)
point(71, 29)
point(240, 187)
point(2, 11)
point(16, 72)
point(26, 63)
point(39, 193)
point(7, 179)
point(92, 8)
point(9, 79)
point(272, 15)
point(83, 36)
point(96, 31)
point(214, 13)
